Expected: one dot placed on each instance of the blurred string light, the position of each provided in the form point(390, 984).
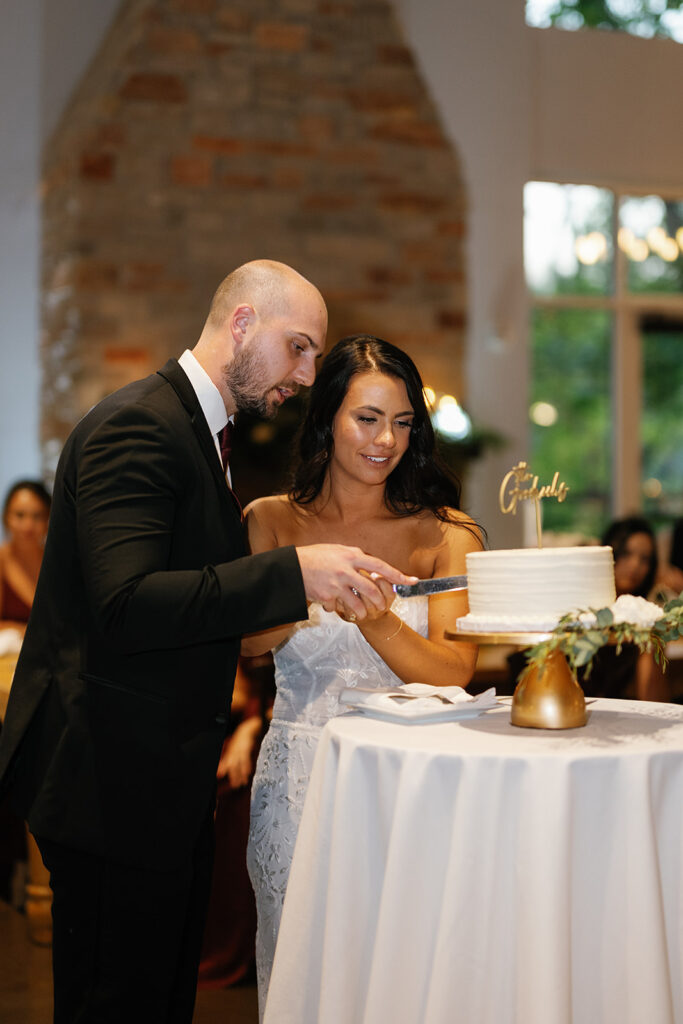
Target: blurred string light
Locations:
point(543, 414)
point(661, 244)
point(591, 248)
point(652, 488)
point(447, 415)
point(635, 248)
point(656, 242)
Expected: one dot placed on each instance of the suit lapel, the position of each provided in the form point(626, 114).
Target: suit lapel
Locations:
point(177, 378)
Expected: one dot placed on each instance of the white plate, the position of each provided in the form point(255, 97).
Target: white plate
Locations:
point(439, 714)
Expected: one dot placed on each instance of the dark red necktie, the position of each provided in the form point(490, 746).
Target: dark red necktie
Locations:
point(225, 441)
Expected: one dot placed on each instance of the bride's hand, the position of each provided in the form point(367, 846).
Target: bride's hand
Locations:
point(371, 611)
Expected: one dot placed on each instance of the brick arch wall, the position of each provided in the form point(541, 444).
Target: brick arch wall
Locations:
point(210, 132)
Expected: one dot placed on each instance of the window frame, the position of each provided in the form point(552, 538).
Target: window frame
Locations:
point(626, 348)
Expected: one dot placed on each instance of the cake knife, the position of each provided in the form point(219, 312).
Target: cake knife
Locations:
point(435, 586)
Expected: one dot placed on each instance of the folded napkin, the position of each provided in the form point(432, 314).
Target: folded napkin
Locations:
point(415, 700)
point(10, 641)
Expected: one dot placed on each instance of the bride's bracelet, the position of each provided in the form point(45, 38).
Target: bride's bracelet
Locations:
point(400, 624)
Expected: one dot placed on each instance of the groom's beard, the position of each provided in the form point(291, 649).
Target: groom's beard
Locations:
point(246, 378)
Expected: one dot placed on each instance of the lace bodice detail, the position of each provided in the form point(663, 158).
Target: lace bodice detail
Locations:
point(325, 655)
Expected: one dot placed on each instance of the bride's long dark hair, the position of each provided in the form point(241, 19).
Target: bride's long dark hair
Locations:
point(421, 480)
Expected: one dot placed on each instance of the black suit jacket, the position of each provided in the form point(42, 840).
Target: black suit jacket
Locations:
point(122, 691)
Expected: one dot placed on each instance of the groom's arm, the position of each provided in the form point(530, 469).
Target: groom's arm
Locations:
point(131, 482)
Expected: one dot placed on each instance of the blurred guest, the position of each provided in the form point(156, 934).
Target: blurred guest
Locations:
point(24, 518)
point(629, 673)
point(635, 555)
point(230, 934)
point(671, 575)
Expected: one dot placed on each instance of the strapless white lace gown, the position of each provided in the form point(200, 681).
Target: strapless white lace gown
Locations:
point(321, 658)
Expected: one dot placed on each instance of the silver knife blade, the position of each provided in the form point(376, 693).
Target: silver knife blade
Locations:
point(436, 586)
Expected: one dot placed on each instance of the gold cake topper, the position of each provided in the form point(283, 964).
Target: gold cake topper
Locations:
point(512, 491)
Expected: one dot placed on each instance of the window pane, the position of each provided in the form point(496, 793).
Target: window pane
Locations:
point(651, 237)
point(637, 17)
point(662, 419)
point(571, 374)
point(568, 239)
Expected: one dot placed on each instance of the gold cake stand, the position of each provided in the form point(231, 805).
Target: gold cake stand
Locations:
point(549, 697)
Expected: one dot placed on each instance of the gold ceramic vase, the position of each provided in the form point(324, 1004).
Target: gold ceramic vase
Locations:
point(550, 698)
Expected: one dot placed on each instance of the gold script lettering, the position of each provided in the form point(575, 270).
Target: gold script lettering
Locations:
point(512, 490)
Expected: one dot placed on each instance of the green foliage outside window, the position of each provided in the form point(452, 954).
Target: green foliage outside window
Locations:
point(655, 274)
point(661, 424)
point(639, 17)
point(571, 361)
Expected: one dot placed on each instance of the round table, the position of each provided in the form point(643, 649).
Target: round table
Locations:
point(480, 873)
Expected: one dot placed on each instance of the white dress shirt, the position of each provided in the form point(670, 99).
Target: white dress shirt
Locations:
point(209, 398)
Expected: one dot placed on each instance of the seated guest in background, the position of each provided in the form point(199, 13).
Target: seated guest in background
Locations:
point(671, 575)
point(24, 518)
point(635, 555)
point(230, 932)
point(629, 673)
point(367, 471)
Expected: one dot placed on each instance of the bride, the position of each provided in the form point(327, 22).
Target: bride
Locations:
point(367, 475)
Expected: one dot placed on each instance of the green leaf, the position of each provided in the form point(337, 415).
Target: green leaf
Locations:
point(580, 643)
point(605, 618)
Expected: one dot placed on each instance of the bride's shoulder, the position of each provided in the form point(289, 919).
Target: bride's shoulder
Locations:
point(276, 516)
point(462, 532)
point(457, 519)
point(452, 526)
point(262, 518)
point(267, 510)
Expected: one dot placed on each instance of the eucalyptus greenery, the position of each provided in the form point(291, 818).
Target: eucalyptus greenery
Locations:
point(580, 642)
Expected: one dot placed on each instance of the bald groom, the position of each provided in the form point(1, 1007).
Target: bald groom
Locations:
point(122, 692)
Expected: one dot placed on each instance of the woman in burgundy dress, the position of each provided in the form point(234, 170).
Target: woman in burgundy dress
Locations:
point(24, 518)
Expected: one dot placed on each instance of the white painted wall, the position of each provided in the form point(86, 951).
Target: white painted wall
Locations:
point(45, 46)
point(607, 109)
point(72, 33)
point(475, 58)
point(19, 234)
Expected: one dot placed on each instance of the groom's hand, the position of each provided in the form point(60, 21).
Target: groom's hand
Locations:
point(335, 573)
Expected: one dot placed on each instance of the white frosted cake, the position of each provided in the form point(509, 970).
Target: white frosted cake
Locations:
point(530, 589)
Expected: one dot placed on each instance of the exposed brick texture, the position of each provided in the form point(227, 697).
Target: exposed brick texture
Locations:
point(210, 132)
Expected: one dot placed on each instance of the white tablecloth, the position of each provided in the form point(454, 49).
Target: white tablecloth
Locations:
point(477, 873)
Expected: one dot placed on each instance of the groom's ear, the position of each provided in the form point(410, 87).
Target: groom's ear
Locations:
point(243, 318)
